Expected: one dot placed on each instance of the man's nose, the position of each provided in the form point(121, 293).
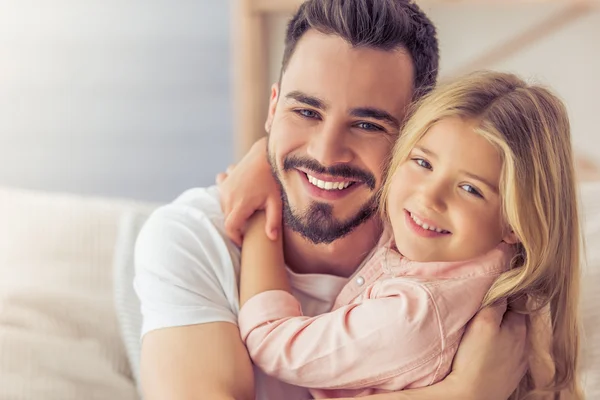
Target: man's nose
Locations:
point(329, 146)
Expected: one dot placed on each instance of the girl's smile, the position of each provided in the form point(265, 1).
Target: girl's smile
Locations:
point(423, 227)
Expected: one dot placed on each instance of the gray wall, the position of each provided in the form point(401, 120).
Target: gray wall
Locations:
point(114, 98)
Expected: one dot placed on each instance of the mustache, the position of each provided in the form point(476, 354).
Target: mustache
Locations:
point(340, 170)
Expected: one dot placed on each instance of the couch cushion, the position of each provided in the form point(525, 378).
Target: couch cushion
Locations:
point(59, 336)
point(590, 293)
point(126, 301)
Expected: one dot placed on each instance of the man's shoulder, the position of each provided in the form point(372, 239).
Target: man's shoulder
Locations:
point(200, 201)
point(194, 208)
point(185, 266)
point(193, 221)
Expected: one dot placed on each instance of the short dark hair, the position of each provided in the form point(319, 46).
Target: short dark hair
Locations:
point(379, 24)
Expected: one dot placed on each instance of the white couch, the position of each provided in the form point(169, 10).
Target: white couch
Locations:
point(59, 333)
point(69, 320)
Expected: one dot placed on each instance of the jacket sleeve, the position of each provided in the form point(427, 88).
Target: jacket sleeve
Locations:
point(398, 333)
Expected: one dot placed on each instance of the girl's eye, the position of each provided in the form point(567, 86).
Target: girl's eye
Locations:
point(422, 163)
point(307, 113)
point(470, 189)
point(367, 126)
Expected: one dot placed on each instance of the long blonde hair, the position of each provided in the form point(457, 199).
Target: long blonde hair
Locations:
point(530, 128)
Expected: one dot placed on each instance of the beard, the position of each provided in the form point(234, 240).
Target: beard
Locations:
point(317, 223)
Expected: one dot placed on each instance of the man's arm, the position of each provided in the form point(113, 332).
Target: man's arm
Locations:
point(186, 282)
point(205, 361)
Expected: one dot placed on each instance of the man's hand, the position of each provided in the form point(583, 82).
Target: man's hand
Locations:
point(492, 357)
point(247, 187)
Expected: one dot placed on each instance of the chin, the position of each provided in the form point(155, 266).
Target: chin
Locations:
point(341, 213)
point(413, 254)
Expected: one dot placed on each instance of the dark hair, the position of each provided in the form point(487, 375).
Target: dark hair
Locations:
point(379, 24)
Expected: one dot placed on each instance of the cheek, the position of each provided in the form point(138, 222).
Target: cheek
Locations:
point(374, 156)
point(482, 223)
point(399, 188)
point(403, 179)
point(286, 137)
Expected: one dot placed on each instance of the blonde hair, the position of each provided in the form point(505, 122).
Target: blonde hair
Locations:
point(530, 128)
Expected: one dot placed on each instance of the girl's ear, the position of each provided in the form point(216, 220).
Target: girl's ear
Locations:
point(511, 238)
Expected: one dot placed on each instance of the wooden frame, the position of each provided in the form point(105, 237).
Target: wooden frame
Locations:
point(251, 67)
point(251, 55)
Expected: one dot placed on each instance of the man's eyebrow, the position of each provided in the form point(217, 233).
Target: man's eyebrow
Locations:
point(361, 112)
point(376, 113)
point(304, 98)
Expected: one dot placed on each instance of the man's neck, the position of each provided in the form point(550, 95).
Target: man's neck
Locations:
point(341, 257)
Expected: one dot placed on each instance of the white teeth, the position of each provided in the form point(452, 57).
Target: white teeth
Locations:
point(327, 185)
point(424, 225)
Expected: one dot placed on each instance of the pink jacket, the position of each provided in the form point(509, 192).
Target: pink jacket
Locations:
point(395, 325)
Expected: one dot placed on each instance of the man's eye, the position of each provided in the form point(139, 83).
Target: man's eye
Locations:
point(307, 113)
point(472, 190)
point(367, 126)
point(422, 163)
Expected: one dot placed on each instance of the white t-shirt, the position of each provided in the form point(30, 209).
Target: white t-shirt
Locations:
point(187, 270)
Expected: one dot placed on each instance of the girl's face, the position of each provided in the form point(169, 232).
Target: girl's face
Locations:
point(444, 203)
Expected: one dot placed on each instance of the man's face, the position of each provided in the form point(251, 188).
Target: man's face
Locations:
point(332, 125)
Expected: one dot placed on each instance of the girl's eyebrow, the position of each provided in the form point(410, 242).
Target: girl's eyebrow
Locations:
point(426, 151)
point(487, 183)
point(471, 175)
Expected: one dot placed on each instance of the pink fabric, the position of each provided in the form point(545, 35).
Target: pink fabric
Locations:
point(399, 329)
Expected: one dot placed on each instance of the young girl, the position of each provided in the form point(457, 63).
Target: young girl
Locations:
point(480, 205)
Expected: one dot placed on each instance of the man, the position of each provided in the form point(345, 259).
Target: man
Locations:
point(350, 71)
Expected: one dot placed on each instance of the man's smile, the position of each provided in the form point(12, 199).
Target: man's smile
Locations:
point(327, 187)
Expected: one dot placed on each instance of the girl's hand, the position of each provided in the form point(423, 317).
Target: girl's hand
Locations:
point(247, 187)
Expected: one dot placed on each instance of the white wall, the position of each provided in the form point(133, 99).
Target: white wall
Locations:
point(117, 98)
point(568, 60)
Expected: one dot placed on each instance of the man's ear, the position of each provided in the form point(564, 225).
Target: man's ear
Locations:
point(272, 106)
point(511, 238)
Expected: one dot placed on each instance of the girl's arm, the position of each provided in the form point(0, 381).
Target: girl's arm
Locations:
point(394, 340)
point(490, 362)
point(248, 187)
point(263, 267)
